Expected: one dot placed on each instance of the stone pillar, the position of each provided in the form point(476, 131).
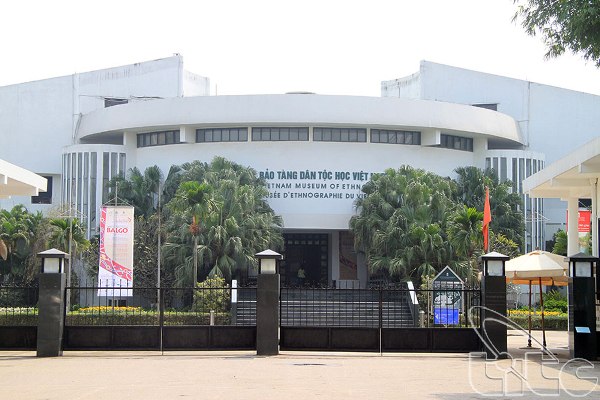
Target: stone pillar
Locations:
point(51, 312)
point(493, 301)
point(267, 315)
point(582, 307)
point(493, 292)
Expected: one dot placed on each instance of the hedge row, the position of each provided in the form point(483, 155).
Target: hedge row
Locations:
point(145, 318)
point(171, 318)
point(551, 322)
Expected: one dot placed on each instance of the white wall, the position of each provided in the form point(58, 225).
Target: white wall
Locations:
point(310, 213)
point(301, 109)
point(37, 119)
point(553, 121)
point(35, 123)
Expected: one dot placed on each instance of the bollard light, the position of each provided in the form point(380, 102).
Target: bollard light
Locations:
point(494, 264)
point(268, 262)
point(581, 265)
point(53, 261)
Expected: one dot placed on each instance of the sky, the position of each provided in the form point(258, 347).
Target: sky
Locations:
point(261, 46)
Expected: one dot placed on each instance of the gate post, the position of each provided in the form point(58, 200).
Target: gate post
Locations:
point(51, 303)
point(582, 307)
point(267, 304)
point(493, 292)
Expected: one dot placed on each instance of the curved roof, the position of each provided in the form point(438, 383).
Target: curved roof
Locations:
point(300, 109)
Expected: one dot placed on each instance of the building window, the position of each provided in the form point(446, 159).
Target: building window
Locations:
point(487, 106)
point(111, 101)
point(456, 142)
point(395, 137)
point(279, 134)
point(44, 197)
point(339, 135)
point(157, 138)
point(221, 135)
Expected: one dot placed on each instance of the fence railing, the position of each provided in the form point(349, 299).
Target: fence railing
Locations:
point(155, 306)
point(18, 305)
point(381, 307)
point(385, 307)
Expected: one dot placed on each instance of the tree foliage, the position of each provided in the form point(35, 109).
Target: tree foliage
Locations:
point(563, 25)
point(220, 211)
point(23, 235)
point(401, 222)
point(411, 223)
point(505, 204)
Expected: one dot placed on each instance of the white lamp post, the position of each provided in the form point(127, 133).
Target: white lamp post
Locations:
point(581, 265)
point(268, 262)
point(494, 264)
point(53, 261)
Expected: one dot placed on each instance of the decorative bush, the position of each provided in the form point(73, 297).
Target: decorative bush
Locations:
point(211, 295)
point(551, 322)
point(554, 301)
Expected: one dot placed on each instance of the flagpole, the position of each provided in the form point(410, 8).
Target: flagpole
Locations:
point(487, 218)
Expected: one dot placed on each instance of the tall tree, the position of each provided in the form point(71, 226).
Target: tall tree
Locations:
point(564, 25)
point(234, 220)
point(401, 222)
point(464, 233)
point(506, 205)
point(138, 189)
point(23, 235)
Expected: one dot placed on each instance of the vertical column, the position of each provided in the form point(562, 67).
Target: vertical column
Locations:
point(572, 226)
point(267, 315)
point(582, 307)
point(493, 292)
point(51, 310)
point(334, 250)
point(187, 134)
point(594, 217)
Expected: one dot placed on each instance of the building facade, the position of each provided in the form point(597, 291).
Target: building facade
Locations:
point(314, 151)
point(552, 120)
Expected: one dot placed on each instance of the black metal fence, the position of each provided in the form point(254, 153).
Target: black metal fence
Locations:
point(395, 307)
point(385, 318)
point(152, 306)
point(18, 305)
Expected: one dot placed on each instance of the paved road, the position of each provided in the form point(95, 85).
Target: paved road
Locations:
point(291, 375)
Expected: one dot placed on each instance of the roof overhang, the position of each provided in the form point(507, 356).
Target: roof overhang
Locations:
point(570, 177)
point(17, 181)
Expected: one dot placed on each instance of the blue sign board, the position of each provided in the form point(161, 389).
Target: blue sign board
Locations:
point(445, 316)
point(447, 297)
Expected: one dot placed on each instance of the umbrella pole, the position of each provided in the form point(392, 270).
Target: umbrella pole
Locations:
point(542, 308)
point(529, 340)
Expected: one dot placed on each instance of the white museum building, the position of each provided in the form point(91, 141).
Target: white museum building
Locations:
point(316, 151)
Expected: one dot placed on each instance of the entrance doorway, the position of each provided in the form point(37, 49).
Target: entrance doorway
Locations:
point(305, 260)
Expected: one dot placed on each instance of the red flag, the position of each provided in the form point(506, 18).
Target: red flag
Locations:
point(487, 218)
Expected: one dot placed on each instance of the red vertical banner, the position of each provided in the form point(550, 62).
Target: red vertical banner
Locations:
point(487, 218)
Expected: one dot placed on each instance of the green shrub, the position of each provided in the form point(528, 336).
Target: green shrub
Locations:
point(554, 301)
point(211, 295)
point(551, 322)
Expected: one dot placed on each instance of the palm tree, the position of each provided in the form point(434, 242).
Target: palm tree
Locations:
point(139, 190)
point(464, 233)
point(21, 237)
point(231, 220)
point(68, 235)
point(505, 204)
point(401, 222)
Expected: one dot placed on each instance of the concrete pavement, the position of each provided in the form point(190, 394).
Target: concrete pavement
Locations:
point(292, 375)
